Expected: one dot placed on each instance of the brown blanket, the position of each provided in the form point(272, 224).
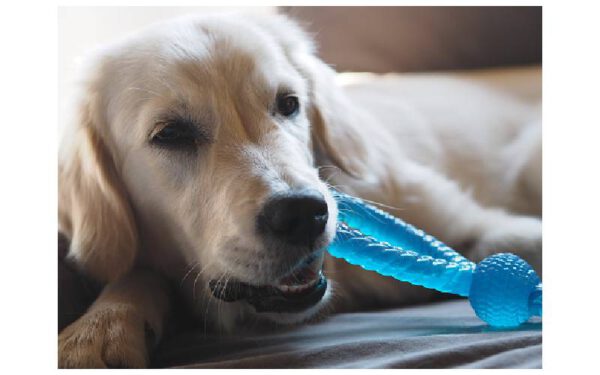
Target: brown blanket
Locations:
point(438, 335)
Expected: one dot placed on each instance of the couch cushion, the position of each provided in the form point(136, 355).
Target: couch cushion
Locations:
point(396, 39)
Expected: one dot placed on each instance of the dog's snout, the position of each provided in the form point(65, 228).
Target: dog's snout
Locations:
point(297, 217)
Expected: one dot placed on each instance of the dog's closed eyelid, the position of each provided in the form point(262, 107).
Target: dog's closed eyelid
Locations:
point(178, 133)
point(180, 113)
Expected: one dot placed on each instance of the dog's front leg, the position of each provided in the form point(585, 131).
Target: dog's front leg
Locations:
point(120, 327)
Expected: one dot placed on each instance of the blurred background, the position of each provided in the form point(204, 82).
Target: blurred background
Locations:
point(410, 39)
point(358, 39)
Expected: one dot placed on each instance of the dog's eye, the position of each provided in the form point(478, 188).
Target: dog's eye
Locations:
point(287, 105)
point(174, 135)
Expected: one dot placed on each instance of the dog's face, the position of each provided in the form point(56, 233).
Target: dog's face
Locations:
point(208, 125)
point(220, 149)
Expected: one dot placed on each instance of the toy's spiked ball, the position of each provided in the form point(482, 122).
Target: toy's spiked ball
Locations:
point(503, 289)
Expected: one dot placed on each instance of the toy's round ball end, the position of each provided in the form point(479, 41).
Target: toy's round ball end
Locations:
point(500, 290)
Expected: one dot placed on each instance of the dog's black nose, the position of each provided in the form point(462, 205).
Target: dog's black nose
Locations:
point(297, 217)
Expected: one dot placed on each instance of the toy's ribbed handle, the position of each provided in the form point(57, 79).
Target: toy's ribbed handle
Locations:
point(402, 264)
point(386, 228)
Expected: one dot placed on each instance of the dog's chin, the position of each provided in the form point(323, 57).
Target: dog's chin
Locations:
point(291, 318)
point(294, 298)
point(240, 316)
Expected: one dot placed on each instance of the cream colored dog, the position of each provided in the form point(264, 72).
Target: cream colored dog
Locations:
point(202, 154)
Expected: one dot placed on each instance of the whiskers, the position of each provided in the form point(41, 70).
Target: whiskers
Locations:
point(191, 268)
point(206, 266)
point(335, 169)
point(225, 277)
point(372, 215)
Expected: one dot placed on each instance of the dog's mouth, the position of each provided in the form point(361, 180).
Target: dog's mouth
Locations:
point(300, 289)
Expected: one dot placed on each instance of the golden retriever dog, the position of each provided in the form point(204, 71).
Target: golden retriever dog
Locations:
point(201, 157)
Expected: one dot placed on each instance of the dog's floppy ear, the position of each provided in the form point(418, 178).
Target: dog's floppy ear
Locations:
point(94, 211)
point(334, 120)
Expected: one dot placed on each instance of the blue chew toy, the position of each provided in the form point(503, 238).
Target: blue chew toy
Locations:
point(503, 289)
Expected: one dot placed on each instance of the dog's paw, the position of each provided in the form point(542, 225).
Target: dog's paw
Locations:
point(519, 235)
point(112, 337)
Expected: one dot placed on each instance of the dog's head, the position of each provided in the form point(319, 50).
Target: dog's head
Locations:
point(195, 146)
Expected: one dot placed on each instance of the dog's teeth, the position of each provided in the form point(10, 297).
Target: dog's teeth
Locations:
point(295, 288)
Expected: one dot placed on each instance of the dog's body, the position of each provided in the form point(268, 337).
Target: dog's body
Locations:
point(143, 205)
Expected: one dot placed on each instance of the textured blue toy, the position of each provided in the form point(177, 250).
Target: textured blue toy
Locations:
point(503, 289)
